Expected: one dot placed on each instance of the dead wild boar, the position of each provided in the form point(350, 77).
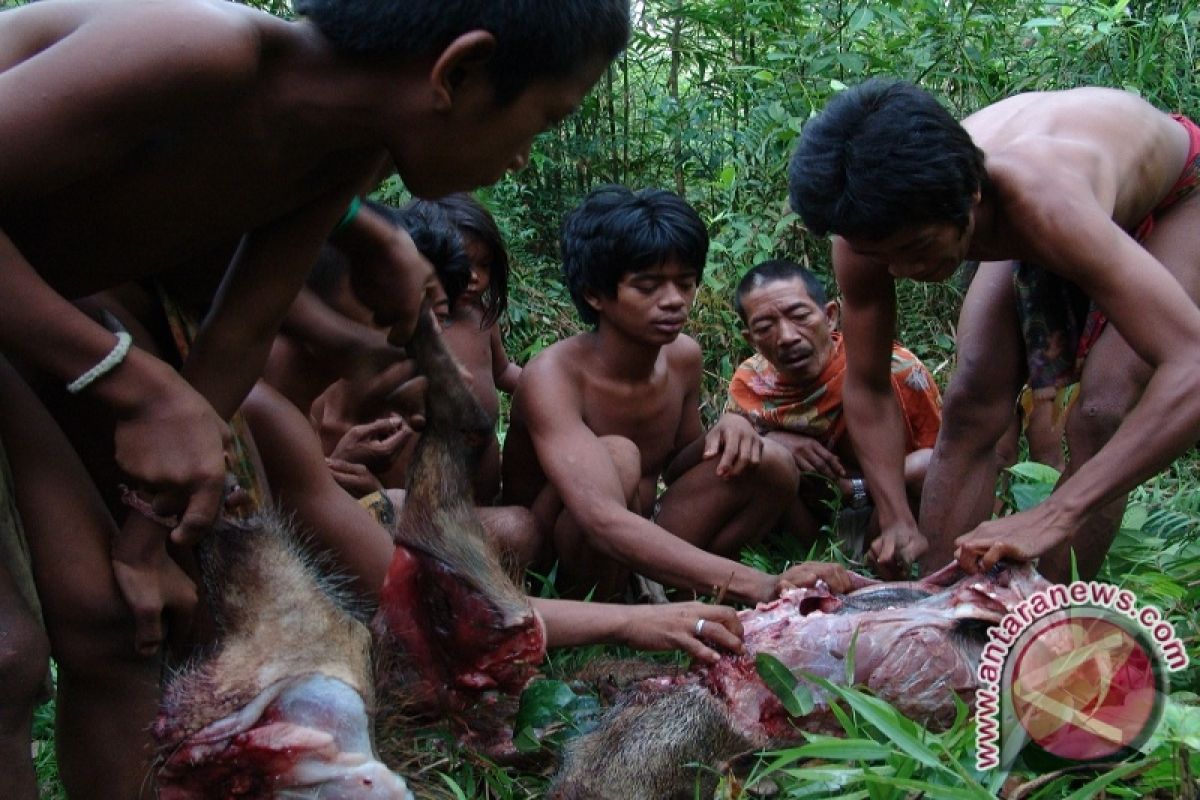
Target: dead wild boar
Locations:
point(281, 708)
point(916, 645)
point(450, 623)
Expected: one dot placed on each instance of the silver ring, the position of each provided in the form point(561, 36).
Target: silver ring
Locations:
point(700, 626)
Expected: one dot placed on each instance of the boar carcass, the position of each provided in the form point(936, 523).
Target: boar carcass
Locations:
point(283, 706)
point(280, 708)
point(916, 645)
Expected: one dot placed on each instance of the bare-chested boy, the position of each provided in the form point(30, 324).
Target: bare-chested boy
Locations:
point(153, 138)
point(1094, 187)
point(601, 416)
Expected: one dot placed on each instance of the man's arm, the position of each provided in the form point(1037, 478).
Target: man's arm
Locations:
point(267, 272)
point(303, 485)
point(644, 627)
point(505, 372)
point(873, 418)
point(1078, 240)
point(79, 96)
point(578, 465)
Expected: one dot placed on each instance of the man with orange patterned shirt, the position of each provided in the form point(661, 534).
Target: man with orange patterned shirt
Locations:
point(791, 389)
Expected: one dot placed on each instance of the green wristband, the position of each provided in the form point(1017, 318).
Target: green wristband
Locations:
point(348, 217)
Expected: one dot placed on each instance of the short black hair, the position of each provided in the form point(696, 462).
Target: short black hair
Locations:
point(474, 221)
point(437, 239)
point(881, 157)
point(615, 231)
point(535, 39)
point(777, 270)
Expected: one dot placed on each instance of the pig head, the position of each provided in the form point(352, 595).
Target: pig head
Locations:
point(281, 708)
point(916, 645)
point(450, 623)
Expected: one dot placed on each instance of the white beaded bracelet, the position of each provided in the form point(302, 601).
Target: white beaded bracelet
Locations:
point(106, 365)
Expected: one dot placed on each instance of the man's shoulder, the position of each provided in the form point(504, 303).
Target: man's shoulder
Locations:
point(684, 351)
point(185, 42)
point(563, 358)
point(754, 366)
point(909, 373)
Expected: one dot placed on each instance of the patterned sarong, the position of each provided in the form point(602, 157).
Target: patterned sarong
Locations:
point(1059, 323)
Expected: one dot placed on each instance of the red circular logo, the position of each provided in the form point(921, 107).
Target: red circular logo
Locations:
point(1086, 685)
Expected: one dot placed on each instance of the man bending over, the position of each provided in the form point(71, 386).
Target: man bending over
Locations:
point(1081, 203)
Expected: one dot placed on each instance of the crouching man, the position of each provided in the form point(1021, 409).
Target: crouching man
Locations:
point(791, 391)
point(600, 417)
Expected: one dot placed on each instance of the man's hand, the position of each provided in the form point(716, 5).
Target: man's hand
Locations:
point(355, 478)
point(151, 583)
point(894, 551)
point(1020, 537)
point(674, 627)
point(739, 446)
point(387, 273)
point(810, 455)
point(375, 445)
point(807, 573)
point(172, 446)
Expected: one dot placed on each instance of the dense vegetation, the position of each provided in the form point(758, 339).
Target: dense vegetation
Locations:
point(708, 101)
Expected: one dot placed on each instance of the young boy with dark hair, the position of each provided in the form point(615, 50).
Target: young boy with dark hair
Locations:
point(200, 137)
point(1081, 204)
point(600, 417)
point(791, 390)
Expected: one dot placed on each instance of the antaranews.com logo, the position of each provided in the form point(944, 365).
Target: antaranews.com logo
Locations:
point(1080, 670)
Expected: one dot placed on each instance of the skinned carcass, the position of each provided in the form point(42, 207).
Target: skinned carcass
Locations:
point(916, 645)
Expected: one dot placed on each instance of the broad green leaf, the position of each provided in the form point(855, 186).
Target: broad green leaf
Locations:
point(1033, 471)
point(1028, 495)
point(846, 750)
point(541, 703)
point(779, 679)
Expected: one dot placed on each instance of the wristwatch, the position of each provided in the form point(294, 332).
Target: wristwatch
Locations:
point(858, 493)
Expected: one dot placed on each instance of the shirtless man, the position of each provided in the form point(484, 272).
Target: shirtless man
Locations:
point(1094, 185)
point(149, 138)
point(600, 417)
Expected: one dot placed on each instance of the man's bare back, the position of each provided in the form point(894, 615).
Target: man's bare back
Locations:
point(195, 113)
point(1040, 144)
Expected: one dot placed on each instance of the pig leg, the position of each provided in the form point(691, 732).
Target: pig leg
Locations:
point(484, 631)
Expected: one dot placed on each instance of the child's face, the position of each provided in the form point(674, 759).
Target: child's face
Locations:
point(651, 305)
point(481, 268)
